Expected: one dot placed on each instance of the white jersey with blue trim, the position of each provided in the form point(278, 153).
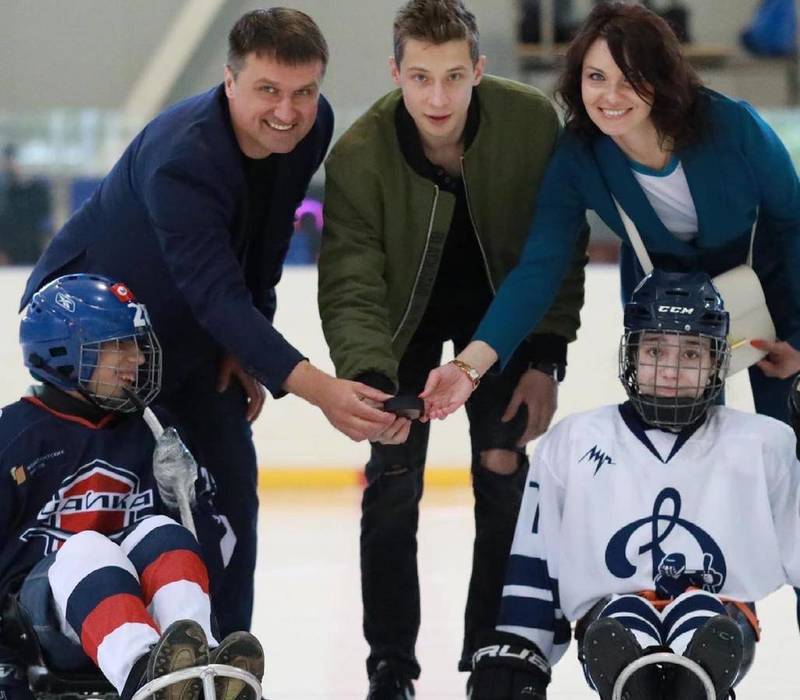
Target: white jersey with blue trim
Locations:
point(606, 512)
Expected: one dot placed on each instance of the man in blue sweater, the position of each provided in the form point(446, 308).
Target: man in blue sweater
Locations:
point(196, 216)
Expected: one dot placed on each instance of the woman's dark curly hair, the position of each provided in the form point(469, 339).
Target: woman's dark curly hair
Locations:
point(649, 55)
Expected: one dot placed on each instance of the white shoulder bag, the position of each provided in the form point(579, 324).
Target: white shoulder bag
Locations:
point(741, 293)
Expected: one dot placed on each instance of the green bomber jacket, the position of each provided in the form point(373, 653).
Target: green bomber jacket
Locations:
point(385, 225)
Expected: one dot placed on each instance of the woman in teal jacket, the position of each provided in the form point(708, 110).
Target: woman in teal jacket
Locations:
point(691, 167)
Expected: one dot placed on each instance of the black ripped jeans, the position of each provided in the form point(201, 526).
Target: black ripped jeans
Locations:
point(389, 580)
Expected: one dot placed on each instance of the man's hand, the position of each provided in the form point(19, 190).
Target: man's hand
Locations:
point(446, 390)
point(539, 392)
point(782, 360)
point(256, 394)
point(347, 405)
point(396, 433)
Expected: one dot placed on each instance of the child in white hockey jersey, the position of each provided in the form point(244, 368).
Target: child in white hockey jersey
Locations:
point(102, 574)
point(653, 525)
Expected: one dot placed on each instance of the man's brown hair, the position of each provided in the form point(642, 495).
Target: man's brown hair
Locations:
point(435, 22)
point(289, 36)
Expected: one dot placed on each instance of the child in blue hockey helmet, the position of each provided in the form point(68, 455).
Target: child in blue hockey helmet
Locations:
point(88, 557)
point(88, 336)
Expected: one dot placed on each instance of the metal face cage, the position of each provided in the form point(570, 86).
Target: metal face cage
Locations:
point(121, 374)
point(672, 377)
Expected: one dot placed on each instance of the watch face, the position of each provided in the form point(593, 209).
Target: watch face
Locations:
point(551, 369)
point(472, 374)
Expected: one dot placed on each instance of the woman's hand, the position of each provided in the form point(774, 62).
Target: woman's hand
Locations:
point(782, 360)
point(446, 390)
point(449, 387)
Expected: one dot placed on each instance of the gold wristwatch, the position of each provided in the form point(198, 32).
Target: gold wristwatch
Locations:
point(472, 373)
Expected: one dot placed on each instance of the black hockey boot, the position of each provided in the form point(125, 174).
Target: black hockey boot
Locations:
point(717, 647)
point(242, 650)
point(182, 645)
point(386, 683)
point(608, 648)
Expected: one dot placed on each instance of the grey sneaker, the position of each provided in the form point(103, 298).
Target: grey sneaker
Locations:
point(182, 645)
point(241, 650)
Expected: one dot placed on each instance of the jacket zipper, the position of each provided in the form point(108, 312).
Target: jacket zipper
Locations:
point(421, 263)
point(475, 228)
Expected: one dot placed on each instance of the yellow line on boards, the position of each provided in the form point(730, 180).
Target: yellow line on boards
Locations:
point(273, 478)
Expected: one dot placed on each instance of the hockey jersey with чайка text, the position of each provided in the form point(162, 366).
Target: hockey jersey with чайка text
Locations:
point(62, 474)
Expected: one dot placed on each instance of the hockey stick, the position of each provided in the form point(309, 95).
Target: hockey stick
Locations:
point(180, 486)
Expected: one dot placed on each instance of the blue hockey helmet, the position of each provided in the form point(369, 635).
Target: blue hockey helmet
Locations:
point(76, 329)
point(674, 353)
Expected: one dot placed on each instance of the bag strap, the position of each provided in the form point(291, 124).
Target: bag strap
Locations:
point(634, 238)
point(752, 238)
point(641, 252)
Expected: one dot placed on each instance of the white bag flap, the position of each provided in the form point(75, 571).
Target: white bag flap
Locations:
point(744, 300)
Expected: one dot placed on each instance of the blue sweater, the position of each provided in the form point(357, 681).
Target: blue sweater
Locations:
point(163, 221)
point(740, 166)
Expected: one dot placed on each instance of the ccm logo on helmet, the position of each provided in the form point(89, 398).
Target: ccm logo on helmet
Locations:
point(675, 310)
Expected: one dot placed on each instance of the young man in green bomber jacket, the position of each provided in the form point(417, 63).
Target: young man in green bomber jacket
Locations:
point(429, 196)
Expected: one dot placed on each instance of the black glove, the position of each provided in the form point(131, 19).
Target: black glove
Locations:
point(794, 411)
point(511, 669)
point(13, 683)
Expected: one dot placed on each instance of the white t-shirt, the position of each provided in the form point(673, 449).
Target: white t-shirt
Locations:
point(668, 193)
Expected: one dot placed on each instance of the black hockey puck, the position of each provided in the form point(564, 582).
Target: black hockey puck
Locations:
point(407, 406)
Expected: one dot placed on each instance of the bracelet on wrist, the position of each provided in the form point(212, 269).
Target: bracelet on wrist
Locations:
point(472, 374)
